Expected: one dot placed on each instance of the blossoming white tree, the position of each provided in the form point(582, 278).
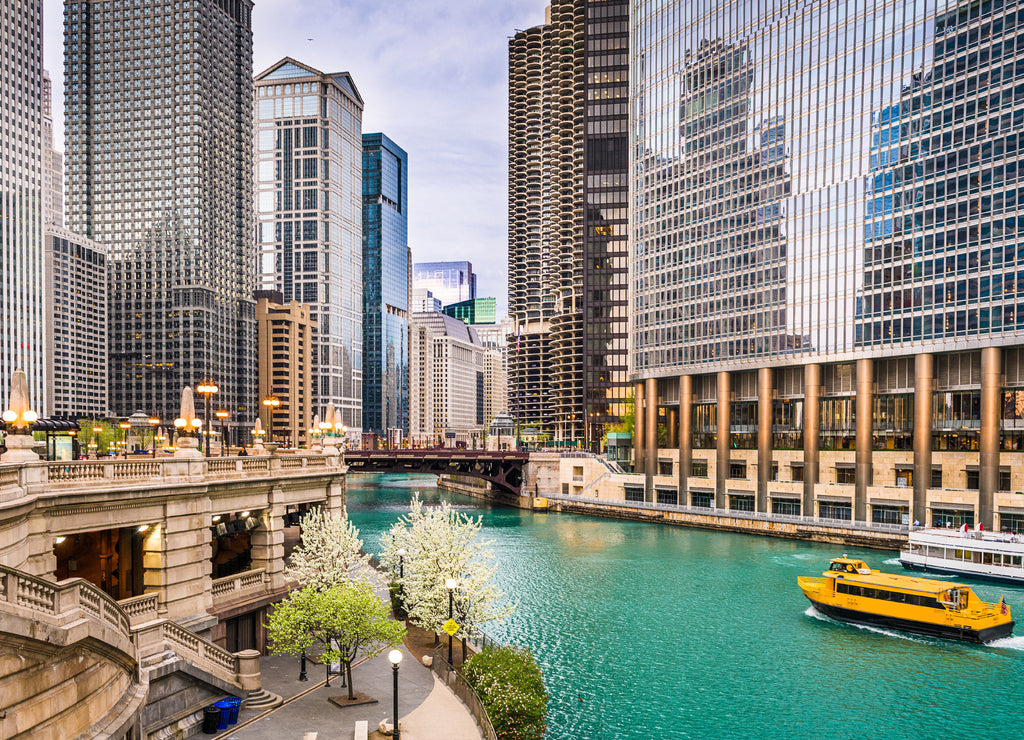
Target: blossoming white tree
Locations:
point(330, 552)
point(441, 543)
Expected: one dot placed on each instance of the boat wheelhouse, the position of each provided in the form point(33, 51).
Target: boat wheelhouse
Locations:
point(850, 591)
point(990, 555)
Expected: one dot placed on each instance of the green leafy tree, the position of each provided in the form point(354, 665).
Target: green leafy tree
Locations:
point(510, 685)
point(340, 623)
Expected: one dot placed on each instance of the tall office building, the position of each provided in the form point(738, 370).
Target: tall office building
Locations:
point(76, 315)
point(475, 311)
point(159, 168)
point(285, 349)
point(386, 259)
point(22, 344)
point(827, 305)
point(53, 163)
point(568, 156)
point(309, 164)
point(450, 282)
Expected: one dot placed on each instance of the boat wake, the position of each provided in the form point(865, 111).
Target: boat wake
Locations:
point(812, 612)
point(891, 561)
point(1010, 643)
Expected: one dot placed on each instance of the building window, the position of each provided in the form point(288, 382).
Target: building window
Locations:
point(699, 468)
point(835, 510)
point(889, 514)
point(846, 475)
point(774, 474)
point(973, 480)
point(667, 496)
point(738, 470)
point(1011, 435)
point(956, 420)
point(743, 425)
point(705, 426)
point(892, 422)
point(1011, 523)
point(664, 467)
point(953, 518)
point(1004, 481)
point(701, 499)
point(796, 472)
point(634, 493)
point(838, 423)
point(904, 477)
point(788, 424)
point(789, 507)
point(741, 503)
point(937, 477)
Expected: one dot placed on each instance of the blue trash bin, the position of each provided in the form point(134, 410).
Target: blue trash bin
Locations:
point(225, 713)
point(236, 704)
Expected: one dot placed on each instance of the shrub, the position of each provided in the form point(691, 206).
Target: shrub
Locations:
point(397, 600)
point(511, 687)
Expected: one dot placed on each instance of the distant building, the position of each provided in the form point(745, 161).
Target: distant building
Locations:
point(457, 369)
point(285, 340)
point(423, 300)
point(495, 385)
point(76, 319)
point(309, 205)
point(53, 164)
point(386, 259)
point(450, 282)
point(421, 384)
point(21, 182)
point(473, 311)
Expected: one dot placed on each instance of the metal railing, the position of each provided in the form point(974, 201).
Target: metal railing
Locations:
point(461, 688)
point(732, 513)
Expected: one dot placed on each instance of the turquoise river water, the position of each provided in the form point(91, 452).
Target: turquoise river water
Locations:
point(647, 631)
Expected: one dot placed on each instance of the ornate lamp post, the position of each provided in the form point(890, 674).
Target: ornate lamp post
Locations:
point(125, 426)
point(95, 444)
point(450, 584)
point(395, 656)
point(18, 420)
point(271, 402)
point(188, 427)
point(222, 414)
point(154, 422)
point(207, 388)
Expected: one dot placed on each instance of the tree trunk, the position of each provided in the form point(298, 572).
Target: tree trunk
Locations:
point(348, 672)
point(463, 651)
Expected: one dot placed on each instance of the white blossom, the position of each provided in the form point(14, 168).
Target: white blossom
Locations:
point(330, 551)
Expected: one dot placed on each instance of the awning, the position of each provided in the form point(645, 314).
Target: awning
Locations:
point(952, 506)
point(845, 465)
point(56, 424)
point(836, 499)
point(888, 502)
point(787, 495)
point(1010, 510)
point(975, 468)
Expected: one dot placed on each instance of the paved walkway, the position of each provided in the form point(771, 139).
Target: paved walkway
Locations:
point(427, 709)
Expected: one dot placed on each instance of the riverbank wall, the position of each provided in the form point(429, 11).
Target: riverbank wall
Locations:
point(476, 488)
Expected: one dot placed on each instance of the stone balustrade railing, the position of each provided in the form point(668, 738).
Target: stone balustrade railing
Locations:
point(240, 584)
point(62, 603)
point(139, 609)
point(104, 472)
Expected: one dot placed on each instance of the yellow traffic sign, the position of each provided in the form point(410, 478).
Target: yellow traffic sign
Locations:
point(451, 627)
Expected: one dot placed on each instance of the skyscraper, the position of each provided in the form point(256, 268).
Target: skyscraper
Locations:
point(22, 342)
point(159, 168)
point(53, 163)
point(827, 295)
point(309, 163)
point(386, 284)
point(450, 282)
point(568, 156)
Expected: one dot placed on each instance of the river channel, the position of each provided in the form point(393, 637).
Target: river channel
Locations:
point(646, 631)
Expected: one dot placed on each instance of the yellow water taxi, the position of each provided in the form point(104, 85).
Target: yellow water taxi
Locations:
point(851, 592)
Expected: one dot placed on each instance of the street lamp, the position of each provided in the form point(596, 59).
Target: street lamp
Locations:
point(395, 656)
point(207, 388)
point(96, 432)
point(271, 402)
point(450, 584)
point(302, 667)
point(401, 562)
point(222, 415)
point(154, 422)
point(125, 426)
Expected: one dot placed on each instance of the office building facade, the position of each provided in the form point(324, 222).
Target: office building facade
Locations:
point(159, 169)
point(450, 282)
point(568, 192)
point(76, 317)
point(475, 311)
point(824, 261)
point(53, 163)
point(386, 283)
point(21, 182)
point(309, 216)
point(285, 350)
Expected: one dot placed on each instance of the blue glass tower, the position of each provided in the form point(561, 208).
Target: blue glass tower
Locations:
point(386, 286)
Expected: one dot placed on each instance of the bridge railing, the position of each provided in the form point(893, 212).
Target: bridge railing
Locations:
point(732, 513)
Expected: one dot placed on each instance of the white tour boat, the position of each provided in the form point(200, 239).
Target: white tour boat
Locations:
point(975, 553)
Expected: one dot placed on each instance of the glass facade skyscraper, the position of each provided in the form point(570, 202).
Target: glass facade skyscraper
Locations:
point(824, 253)
point(386, 285)
point(21, 204)
point(450, 282)
point(159, 169)
point(309, 163)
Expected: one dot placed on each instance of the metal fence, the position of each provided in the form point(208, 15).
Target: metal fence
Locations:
point(733, 514)
point(464, 691)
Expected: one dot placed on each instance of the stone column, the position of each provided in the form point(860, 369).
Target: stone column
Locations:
point(651, 436)
point(924, 381)
point(337, 493)
point(812, 417)
point(722, 447)
point(176, 558)
point(685, 436)
point(863, 459)
point(639, 453)
point(267, 540)
point(991, 409)
point(764, 436)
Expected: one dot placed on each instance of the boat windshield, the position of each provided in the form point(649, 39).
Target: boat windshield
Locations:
point(955, 598)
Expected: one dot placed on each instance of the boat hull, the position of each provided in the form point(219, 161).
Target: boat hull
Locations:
point(922, 628)
point(980, 575)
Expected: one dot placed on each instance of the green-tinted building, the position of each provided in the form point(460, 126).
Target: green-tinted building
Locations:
point(473, 311)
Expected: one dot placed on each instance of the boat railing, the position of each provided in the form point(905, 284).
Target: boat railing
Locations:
point(733, 513)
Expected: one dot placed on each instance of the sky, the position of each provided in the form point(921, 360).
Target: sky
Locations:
point(433, 76)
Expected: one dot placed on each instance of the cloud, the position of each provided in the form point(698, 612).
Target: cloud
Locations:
point(434, 78)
